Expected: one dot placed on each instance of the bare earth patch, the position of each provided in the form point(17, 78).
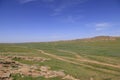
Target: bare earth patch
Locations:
point(9, 67)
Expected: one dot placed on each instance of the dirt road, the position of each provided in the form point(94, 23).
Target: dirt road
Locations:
point(80, 58)
point(84, 60)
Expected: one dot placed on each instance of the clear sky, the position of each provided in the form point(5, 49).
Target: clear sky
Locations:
point(50, 20)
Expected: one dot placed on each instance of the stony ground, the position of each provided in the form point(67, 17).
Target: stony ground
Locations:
point(8, 67)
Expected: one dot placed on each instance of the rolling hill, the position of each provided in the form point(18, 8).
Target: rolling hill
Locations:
point(96, 58)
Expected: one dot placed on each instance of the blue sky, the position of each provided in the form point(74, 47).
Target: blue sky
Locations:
point(51, 20)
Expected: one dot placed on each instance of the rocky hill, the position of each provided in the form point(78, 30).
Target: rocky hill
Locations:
point(100, 38)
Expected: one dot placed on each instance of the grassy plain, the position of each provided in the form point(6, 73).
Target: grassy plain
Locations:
point(85, 60)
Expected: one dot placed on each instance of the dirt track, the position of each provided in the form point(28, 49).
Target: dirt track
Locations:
point(84, 60)
point(80, 58)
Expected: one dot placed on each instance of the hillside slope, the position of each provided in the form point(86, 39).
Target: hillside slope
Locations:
point(95, 58)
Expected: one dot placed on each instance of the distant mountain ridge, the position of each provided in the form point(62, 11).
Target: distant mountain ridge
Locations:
point(92, 39)
point(100, 38)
